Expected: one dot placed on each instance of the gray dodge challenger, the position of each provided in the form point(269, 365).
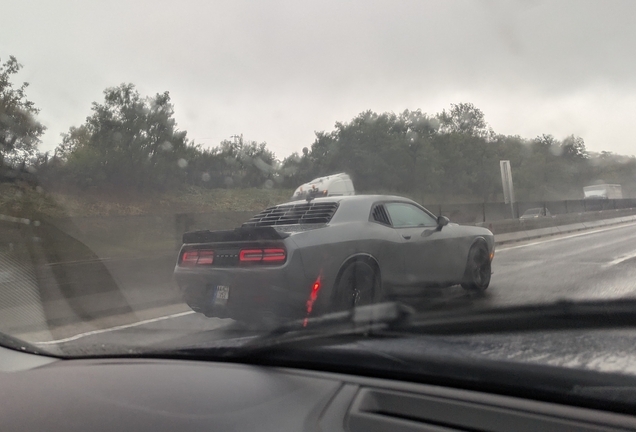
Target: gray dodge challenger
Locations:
point(301, 259)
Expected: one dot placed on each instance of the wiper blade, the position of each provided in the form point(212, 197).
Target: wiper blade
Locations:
point(361, 318)
point(359, 321)
point(561, 315)
point(395, 319)
point(362, 321)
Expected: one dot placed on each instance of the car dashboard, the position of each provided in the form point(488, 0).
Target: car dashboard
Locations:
point(40, 393)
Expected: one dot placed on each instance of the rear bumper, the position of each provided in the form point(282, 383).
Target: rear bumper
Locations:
point(254, 294)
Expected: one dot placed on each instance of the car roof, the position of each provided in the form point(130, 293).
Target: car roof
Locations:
point(352, 207)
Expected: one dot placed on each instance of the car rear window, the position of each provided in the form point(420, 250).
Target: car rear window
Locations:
point(291, 214)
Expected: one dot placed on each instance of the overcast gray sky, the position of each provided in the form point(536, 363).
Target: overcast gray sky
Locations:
point(276, 71)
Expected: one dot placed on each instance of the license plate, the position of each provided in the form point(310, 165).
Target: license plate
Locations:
point(222, 294)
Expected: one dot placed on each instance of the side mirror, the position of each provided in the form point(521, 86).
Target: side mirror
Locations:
point(442, 221)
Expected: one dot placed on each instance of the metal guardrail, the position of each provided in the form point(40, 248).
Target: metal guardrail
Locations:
point(514, 225)
point(496, 211)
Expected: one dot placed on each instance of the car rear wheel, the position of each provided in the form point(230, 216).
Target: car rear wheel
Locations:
point(358, 285)
point(478, 269)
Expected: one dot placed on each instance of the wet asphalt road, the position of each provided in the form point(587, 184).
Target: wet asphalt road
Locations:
point(586, 265)
point(599, 264)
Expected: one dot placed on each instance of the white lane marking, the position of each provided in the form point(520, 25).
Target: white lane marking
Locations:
point(620, 259)
point(111, 329)
point(565, 237)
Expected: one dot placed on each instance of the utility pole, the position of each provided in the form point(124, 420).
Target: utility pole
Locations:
point(508, 189)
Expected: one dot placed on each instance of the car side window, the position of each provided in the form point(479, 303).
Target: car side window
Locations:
point(407, 215)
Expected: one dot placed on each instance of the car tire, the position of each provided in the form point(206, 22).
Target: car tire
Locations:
point(358, 284)
point(478, 269)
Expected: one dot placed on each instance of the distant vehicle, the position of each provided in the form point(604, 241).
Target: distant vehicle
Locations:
point(326, 255)
point(534, 213)
point(603, 191)
point(332, 185)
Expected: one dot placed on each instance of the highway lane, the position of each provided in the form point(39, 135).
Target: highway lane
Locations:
point(598, 264)
point(593, 264)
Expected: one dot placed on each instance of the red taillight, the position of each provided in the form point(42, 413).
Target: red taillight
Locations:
point(189, 258)
point(251, 255)
point(206, 257)
point(197, 257)
point(263, 255)
point(273, 255)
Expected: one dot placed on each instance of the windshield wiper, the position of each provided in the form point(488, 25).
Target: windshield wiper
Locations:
point(363, 321)
point(394, 319)
point(561, 315)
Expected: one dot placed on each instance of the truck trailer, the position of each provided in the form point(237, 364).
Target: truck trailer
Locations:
point(603, 191)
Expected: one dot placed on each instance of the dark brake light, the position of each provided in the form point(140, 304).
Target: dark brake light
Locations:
point(263, 255)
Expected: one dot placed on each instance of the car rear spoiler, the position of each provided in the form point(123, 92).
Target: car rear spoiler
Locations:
point(235, 235)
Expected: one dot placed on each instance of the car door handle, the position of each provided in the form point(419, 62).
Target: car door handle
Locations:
point(406, 237)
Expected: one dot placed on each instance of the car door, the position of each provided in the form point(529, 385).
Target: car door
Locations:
point(388, 251)
point(428, 253)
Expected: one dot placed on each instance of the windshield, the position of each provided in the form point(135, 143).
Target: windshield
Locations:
point(179, 173)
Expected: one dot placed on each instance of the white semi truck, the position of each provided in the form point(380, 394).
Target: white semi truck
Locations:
point(603, 191)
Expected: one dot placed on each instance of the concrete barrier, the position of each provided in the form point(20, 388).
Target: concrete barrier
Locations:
point(541, 232)
point(511, 237)
point(571, 227)
point(594, 224)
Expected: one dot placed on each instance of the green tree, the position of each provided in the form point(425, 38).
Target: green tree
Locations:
point(20, 132)
point(467, 152)
point(573, 148)
point(247, 163)
point(423, 163)
point(372, 148)
point(128, 141)
point(463, 118)
point(296, 169)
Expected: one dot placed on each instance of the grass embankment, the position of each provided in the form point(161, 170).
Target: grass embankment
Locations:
point(123, 223)
point(186, 200)
point(25, 201)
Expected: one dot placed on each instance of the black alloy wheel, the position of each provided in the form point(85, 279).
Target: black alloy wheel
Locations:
point(478, 269)
point(358, 285)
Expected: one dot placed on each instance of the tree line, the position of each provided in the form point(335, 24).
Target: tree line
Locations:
point(132, 141)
